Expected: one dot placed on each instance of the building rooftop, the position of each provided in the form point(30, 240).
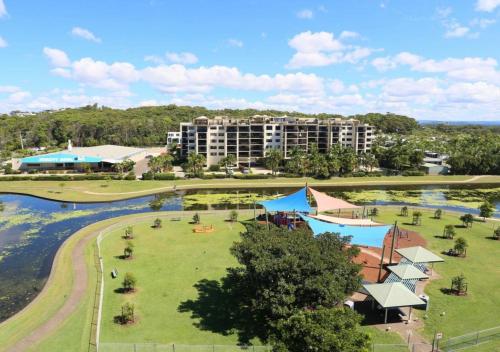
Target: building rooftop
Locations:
point(394, 294)
point(419, 254)
point(107, 153)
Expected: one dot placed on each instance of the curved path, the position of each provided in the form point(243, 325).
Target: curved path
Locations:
point(80, 285)
point(274, 184)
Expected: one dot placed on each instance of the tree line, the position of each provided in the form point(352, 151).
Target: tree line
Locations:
point(143, 126)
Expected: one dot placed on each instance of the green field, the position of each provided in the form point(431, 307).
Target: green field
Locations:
point(91, 191)
point(169, 261)
point(479, 309)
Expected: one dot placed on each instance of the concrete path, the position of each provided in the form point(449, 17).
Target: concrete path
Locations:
point(271, 184)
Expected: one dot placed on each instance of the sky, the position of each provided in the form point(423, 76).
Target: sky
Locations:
point(431, 60)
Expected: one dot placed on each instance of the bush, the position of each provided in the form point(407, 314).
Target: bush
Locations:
point(160, 176)
point(130, 176)
point(214, 168)
point(252, 177)
point(413, 173)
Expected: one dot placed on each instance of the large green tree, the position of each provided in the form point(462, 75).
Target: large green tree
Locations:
point(283, 271)
point(273, 160)
point(321, 330)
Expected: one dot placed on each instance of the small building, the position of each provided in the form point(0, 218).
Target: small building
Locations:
point(435, 169)
point(173, 138)
point(97, 158)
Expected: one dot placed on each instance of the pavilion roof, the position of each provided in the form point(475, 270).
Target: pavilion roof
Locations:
point(407, 272)
point(394, 294)
point(419, 254)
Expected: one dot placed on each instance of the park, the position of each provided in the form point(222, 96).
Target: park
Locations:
point(177, 268)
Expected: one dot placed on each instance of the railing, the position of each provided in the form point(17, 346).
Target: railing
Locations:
point(154, 347)
point(471, 339)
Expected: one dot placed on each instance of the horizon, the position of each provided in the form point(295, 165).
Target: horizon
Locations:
point(430, 61)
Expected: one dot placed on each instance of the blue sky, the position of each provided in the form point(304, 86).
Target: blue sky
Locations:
point(426, 59)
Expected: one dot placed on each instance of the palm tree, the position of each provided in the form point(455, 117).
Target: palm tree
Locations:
point(333, 159)
point(461, 246)
point(165, 161)
point(273, 160)
point(195, 164)
point(155, 165)
point(449, 231)
point(297, 164)
point(228, 162)
point(370, 161)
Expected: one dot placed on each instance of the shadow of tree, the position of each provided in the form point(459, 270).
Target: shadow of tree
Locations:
point(221, 308)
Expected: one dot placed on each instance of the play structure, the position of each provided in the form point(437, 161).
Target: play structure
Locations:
point(204, 229)
point(296, 209)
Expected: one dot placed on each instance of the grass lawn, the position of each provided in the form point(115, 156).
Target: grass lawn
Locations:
point(167, 263)
point(480, 308)
point(91, 191)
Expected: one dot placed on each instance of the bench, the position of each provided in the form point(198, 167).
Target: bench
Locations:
point(114, 273)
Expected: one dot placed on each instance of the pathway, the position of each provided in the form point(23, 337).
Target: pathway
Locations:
point(274, 184)
point(80, 285)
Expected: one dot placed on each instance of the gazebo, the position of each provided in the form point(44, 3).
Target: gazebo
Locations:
point(393, 295)
point(418, 256)
point(407, 274)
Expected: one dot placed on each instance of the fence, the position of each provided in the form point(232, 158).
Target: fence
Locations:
point(469, 340)
point(153, 347)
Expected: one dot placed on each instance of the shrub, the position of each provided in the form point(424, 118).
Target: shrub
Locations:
point(438, 213)
point(157, 223)
point(252, 177)
point(196, 218)
point(413, 173)
point(214, 168)
point(127, 315)
point(130, 176)
point(129, 250)
point(233, 216)
point(461, 246)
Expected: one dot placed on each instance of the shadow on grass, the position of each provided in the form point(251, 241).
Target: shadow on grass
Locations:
point(220, 308)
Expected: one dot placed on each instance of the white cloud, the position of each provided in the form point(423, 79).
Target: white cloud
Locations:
point(322, 49)
point(305, 14)
point(85, 34)
point(154, 59)
point(18, 97)
point(57, 57)
point(482, 22)
point(235, 42)
point(9, 89)
point(3, 9)
point(456, 31)
point(487, 5)
point(348, 34)
point(3, 43)
point(185, 58)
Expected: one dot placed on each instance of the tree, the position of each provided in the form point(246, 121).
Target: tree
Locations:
point(321, 330)
point(333, 160)
point(129, 250)
point(196, 218)
point(496, 233)
point(348, 160)
point(233, 216)
point(467, 220)
point(459, 284)
point(154, 165)
point(157, 223)
point(195, 164)
point(298, 162)
point(273, 160)
point(449, 231)
point(486, 210)
point(284, 271)
point(404, 211)
point(166, 162)
point(129, 282)
point(461, 246)
point(374, 212)
point(129, 232)
point(417, 218)
point(228, 162)
point(317, 164)
point(438, 213)
point(127, 315)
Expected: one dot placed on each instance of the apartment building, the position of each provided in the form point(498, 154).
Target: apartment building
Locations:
point(249, 139)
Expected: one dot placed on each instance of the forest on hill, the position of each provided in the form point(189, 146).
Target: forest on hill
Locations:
point(143, 126)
